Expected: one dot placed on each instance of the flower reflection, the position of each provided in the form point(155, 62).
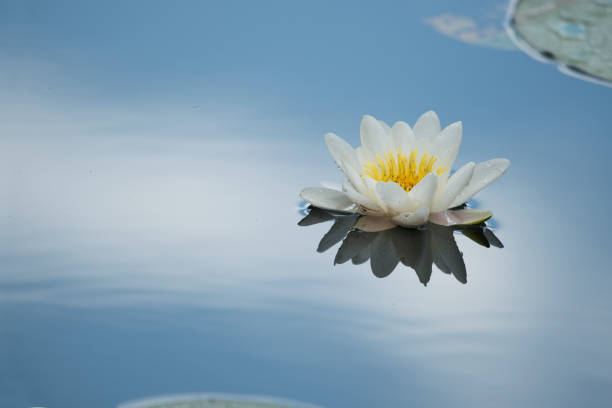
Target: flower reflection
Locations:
point(417, 249)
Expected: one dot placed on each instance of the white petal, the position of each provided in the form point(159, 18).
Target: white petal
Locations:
point(403, 137)
point(371, 192)
point(345, 157)
point(353, 176)
point(371, 223)
point(412, 219)
point(393, 195)
point(466, 216)
point(370, 188)
point(365, 155)
point(447, 158)
point(384, 126)
point(456, 184)
point(368, 206)
point(447, 144)
point(423, 193)
point(331, 185)
point(442, 180)
point(373, 136)
point(484, 174)
point(340, 150)
point(328, 199)
point(427, 126)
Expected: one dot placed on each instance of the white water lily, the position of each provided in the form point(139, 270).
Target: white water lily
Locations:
point(402, 176)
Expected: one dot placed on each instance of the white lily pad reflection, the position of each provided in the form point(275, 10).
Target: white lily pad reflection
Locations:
point(417, 249)
point(213, 400)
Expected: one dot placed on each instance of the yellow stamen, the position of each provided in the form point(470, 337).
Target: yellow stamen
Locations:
point(406, 171)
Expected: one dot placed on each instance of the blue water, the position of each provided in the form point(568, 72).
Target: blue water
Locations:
point(152, 155)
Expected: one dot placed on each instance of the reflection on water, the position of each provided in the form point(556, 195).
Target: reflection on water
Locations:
point(418, 249)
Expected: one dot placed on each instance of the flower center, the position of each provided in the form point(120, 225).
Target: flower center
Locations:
point(406, 171)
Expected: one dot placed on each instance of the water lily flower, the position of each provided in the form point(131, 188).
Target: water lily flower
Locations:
point(402, 176)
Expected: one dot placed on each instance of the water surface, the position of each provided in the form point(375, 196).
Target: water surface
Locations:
point(151, 163)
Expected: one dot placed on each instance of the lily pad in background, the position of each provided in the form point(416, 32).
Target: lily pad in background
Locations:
point(213, 401)
point(575, 34)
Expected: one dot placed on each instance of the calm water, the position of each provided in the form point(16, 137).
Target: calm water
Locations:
point(151, 162)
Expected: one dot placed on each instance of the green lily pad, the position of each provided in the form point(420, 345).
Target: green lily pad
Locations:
point(574, 34)
point(213, 401)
